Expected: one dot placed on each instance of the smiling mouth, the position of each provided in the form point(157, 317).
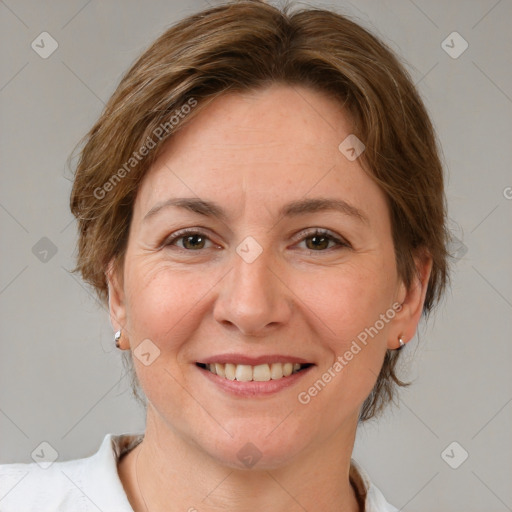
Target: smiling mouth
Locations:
point(258, 373)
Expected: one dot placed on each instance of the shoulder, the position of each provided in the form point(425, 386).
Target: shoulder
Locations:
point(30, 487)
point(80, 485)
point(373, 498)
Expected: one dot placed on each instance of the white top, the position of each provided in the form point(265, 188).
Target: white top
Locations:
point(92, 483)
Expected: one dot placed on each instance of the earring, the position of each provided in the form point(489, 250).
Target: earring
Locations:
point(117, 337)
point(401, 342)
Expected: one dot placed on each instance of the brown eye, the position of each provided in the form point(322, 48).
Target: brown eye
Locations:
point(321, 241)
point(317, 242)
point(188, 240)
point(196, 241)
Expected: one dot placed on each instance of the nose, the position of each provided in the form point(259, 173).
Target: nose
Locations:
point(254, 298)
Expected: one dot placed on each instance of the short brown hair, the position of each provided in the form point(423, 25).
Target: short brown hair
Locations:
point(243, 46)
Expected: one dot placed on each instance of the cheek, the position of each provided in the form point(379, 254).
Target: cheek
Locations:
point(355, 308)
point(161, 307)
point(159, 295)
point(167, 305)
point(155, 304)
point(350, 300)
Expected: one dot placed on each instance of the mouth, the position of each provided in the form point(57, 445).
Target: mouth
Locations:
point(259, 373)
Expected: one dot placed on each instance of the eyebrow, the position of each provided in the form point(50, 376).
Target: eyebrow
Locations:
point(292, 209)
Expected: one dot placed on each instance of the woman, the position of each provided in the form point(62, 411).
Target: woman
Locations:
point(261, 205)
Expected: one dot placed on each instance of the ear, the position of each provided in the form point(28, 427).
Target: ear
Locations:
point(412, 300)
point(116, 296)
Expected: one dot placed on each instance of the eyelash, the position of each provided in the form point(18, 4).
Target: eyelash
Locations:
point(305, 235)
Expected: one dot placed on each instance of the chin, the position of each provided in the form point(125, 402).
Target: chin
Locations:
point(256, 446)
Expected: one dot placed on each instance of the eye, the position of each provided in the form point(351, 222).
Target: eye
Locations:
point(320, 240)
point(190, 240)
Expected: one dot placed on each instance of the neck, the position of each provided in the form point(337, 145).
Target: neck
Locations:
point(163, 470)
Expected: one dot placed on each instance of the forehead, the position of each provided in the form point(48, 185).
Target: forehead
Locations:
point(292, 119)
point(269, 145)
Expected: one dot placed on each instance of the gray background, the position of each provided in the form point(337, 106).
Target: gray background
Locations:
point(60, 376)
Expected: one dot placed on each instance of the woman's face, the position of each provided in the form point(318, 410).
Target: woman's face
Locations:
point(287, 258)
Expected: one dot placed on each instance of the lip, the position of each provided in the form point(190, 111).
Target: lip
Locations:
point(254, 389)
point(253, 361)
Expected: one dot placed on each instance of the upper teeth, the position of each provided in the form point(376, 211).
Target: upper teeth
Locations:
point(261, 372)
